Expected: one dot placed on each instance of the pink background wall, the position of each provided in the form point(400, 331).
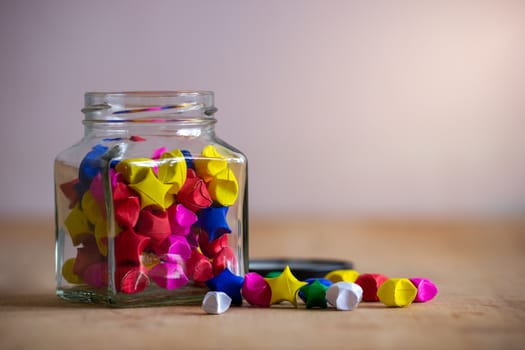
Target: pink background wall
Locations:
point(364, 108)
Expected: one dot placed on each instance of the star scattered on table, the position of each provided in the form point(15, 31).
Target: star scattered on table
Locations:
point(228, 283)
point(285, 287)
point(325, 282)
point(256, 290)
point(397, 292)
point(315, 295)
point(370, 282)
point(344, 296)
point(347, 275)
point(426, 289)
point(216, 303)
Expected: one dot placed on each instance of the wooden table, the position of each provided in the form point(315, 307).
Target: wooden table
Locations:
point(478, 267)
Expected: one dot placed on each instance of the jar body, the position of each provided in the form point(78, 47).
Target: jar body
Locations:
point(148, 209)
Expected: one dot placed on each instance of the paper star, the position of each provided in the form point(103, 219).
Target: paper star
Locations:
point(172, 169)
point(345, 296)
point(325, 282)
point(181, 219)
point(342, 275)
point(194, 195)
point(228, 283)
point(211, 248)
point(87, 255)
point(315, 295)
point(131, 279)
point(285, 287)
point(168, 275)
point(129, 247)
point(174, 249)
point(97, 190)
point(211, 163)
point(90, 165)
point(199, 267)
point(135, 170)
point(127, 211)
point(154, 223)
point(426, 289)
point(273, 274)
point(96, 275)
point(216, 303)
point(224, 188)
point(70, 191)
point(68, 274)
point(397, 292)
point(136, 138)
point(158, 152)
point(370, 282)
point(213, 221)
point(153, 192)
point(256, 290)
point(189, 159)
point(91, 209)
point(225, 259)
point(77, 225)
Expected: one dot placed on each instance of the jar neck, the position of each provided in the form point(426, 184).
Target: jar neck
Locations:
point(189, 128)
point(119, 114)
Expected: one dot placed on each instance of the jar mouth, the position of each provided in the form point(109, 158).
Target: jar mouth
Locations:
point(146, 106)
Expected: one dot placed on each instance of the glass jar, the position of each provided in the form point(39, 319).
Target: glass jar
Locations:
point(150, 204)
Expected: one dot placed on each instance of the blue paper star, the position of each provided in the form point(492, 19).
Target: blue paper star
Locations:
point(189, 158)
point(228, 283)
point(213, 221)
point(90, 165)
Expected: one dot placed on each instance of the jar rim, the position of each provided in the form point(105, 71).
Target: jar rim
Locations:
point(144, 105)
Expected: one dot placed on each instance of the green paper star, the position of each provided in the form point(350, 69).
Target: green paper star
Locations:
point(315, 295)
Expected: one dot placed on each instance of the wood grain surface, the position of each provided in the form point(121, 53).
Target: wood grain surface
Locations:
point(478, 267)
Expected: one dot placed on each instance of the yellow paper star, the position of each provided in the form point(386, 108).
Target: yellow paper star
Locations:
point(224, 188)
point(173, 169)
point(91, 208)
point(397, 292)
point(153, 192)
point(285, 287)
point(211, 163)
point(135, 170)
point(77, 225)
point(342, 276)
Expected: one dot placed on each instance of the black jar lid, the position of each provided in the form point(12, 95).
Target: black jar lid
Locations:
point(301, 268)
